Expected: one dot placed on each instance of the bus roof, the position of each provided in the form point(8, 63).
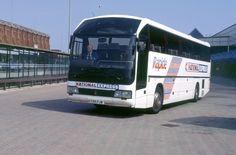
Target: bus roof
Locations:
point(145, 21)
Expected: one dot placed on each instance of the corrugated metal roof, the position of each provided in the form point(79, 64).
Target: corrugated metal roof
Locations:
point(229, 31)
point(22, 28)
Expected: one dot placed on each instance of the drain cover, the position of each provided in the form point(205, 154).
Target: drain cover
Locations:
point(170, 125)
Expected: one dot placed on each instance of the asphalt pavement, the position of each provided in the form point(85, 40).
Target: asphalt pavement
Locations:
point(40, 121)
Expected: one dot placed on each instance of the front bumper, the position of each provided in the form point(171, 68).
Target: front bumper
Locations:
point(110, 101)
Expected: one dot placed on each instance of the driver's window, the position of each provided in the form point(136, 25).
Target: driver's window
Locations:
point(77, 48)
point(143, 44)
point(93, 42)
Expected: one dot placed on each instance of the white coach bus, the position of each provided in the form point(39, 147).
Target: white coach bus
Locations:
point(135, 63)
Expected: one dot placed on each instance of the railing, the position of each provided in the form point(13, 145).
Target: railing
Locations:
point(22, 81)
point(26, 66)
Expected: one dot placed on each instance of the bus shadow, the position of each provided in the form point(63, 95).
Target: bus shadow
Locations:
point(172, 105)
point(63, 105)
point(207, 121)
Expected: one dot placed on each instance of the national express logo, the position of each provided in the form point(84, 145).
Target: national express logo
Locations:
point(192, 67)
point(159, 63)
point(92, 85)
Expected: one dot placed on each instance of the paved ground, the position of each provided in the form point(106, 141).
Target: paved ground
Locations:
point(40, 120)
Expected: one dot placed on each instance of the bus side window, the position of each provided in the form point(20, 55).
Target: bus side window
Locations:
point(152, 47)
point(142, 46)
point(196, 57)
point(186, 54)
point(155, 48)
point(173, 52)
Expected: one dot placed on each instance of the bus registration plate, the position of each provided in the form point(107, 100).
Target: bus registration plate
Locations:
point(97, 102)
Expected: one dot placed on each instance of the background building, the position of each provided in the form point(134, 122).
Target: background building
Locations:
point(223, 41)
point(14, 34)
point(223, 51)
point(26, 58)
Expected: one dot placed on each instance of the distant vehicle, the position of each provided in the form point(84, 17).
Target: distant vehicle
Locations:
point(141, 64)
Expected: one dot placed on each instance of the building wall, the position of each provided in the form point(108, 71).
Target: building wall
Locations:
point(16, 35)
point(224, 68)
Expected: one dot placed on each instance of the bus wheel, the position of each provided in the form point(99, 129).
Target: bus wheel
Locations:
point(158, 101)
point(196, 93)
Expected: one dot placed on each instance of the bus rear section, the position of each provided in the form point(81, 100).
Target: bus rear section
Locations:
point(178, 78)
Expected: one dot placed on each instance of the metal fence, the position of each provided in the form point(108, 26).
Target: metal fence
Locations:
point(21, 66)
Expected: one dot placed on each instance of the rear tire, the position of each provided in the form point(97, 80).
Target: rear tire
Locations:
point(158, 101)
point(196, 93)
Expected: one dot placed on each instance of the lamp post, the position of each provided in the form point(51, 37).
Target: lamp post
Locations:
point(69, 24)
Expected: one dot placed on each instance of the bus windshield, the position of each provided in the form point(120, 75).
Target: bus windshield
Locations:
point(107, 59)
point(114, 26)
point(103, 51)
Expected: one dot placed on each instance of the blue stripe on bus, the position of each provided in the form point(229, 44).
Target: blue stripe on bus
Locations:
point(176, 60)
point(167, 91)
point(173, 70)
point(169, 80)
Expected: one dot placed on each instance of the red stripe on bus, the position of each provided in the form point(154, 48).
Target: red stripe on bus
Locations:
point(168, 85)
point(173, 71)
point(172, 74)
point(174, 65)
point(167, 96)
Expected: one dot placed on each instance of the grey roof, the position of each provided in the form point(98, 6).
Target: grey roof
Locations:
point(226, 37)
point(195, 33)
point(22, 28)
point(229, 32)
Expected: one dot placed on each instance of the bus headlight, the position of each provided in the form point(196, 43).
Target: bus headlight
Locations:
point(123, 94)
point(72, 90)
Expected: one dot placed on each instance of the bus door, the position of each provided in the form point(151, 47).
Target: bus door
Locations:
point(141, 82)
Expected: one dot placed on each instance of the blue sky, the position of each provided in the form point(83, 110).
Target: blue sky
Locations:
point(51, 16)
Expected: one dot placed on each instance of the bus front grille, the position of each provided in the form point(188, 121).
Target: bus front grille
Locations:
point(96, 92)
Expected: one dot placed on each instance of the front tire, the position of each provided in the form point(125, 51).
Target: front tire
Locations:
point(158, 101)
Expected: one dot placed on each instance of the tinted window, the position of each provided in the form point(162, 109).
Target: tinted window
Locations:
point(165, 42)
point(109, 26)
point(109, 59)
